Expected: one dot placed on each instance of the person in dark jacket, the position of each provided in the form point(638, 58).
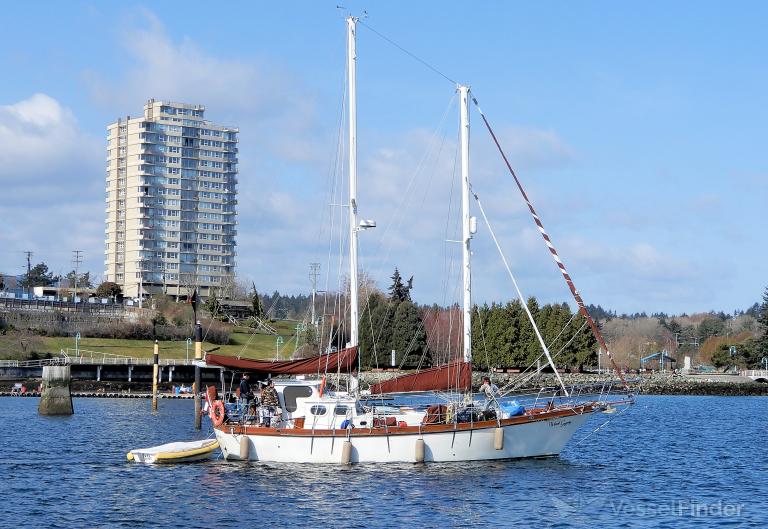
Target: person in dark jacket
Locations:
point(245, 391)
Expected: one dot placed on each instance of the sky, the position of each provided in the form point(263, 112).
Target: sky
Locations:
point(638, 129)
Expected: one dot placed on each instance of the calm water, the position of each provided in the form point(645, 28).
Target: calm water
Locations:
point(667, 462)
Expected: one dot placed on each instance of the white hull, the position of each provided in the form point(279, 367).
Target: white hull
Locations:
point(536, 438)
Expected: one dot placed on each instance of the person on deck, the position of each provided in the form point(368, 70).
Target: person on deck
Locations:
point(490, 390)
point(245, 391)
point(270, 402)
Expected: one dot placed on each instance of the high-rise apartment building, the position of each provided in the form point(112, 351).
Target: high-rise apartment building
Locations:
point(171, 196)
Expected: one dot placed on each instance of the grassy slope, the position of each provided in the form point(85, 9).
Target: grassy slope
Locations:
point(259, 346)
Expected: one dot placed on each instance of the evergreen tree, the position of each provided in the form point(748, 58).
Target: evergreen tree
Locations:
point(409, 339)
point(480, 354)
point(83, 280)
point(213, 306)
point(257, 307)
point(398, 291)
point(762, 321)
point(369, 349)
point(38, 276)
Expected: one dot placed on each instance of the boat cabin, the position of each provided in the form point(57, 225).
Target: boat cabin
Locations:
point(303, 407)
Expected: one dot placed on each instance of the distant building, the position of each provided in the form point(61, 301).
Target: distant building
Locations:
point(171, 197)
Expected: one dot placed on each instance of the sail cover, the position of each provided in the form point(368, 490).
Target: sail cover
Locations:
point(456, 375)
point(343, 360)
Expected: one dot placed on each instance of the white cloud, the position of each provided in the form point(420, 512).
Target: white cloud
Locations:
point(275, 109)
point(51, 176)
point(40, 137)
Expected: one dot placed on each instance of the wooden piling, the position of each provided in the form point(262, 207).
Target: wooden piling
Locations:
point(155, 371)
point(196, 385)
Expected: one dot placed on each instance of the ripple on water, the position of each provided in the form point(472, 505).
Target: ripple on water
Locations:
point(667, 462)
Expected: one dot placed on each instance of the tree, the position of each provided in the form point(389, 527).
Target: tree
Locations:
point(108, 289)
point(257, 307)
point(213, 306)
point(710, 327)
point(375, 331)
point(38, 276)
point(762, 321)
point(83, 280)
point(409, 339)
point(398, 291)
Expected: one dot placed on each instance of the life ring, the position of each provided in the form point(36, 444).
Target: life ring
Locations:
point(322, 386)
point(216, 413)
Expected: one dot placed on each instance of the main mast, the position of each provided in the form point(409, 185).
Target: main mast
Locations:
point(353, 229)
point(466, 223)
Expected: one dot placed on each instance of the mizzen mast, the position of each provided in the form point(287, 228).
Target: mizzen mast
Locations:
point(466, 223)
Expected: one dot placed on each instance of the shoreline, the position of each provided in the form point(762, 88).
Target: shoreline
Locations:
point(655, 384)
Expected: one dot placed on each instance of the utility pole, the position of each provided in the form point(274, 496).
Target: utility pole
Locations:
point(314, 271)
point(29, 269)
point(77, 258)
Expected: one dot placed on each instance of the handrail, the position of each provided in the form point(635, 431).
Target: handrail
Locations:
point(754, 373)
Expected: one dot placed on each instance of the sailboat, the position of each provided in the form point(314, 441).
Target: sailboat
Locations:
point(316, 425)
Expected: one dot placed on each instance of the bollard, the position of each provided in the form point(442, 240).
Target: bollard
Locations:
point(155, 367)
point(56, 398)
point(196, 385)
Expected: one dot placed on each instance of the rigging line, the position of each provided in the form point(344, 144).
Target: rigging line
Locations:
point(606, 423)
point(519, 293)
point(396, 215)
point(333, 165)
point(247, 343)
point(552, 250)
point(335, 197)
point(520, 379)
point(396, 218)
point(449, 251)
point(410, 54)
point(554, 341)
point(485, 346)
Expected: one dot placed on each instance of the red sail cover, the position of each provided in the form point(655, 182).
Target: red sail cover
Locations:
point(343, 360)
point(457, 375)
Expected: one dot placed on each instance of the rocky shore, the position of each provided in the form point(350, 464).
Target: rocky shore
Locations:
point(648, 384)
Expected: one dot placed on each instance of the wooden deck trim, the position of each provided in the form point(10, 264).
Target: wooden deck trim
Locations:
point(406, 430)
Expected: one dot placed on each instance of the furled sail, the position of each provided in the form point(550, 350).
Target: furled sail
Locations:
point(343, 360)
point(456, 375)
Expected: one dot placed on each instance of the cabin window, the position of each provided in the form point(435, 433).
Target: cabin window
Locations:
point(291, 393)
point(317, 410)
point(359, 408)
point(341, 410)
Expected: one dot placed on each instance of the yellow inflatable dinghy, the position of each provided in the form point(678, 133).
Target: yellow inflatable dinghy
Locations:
point(181, 452)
